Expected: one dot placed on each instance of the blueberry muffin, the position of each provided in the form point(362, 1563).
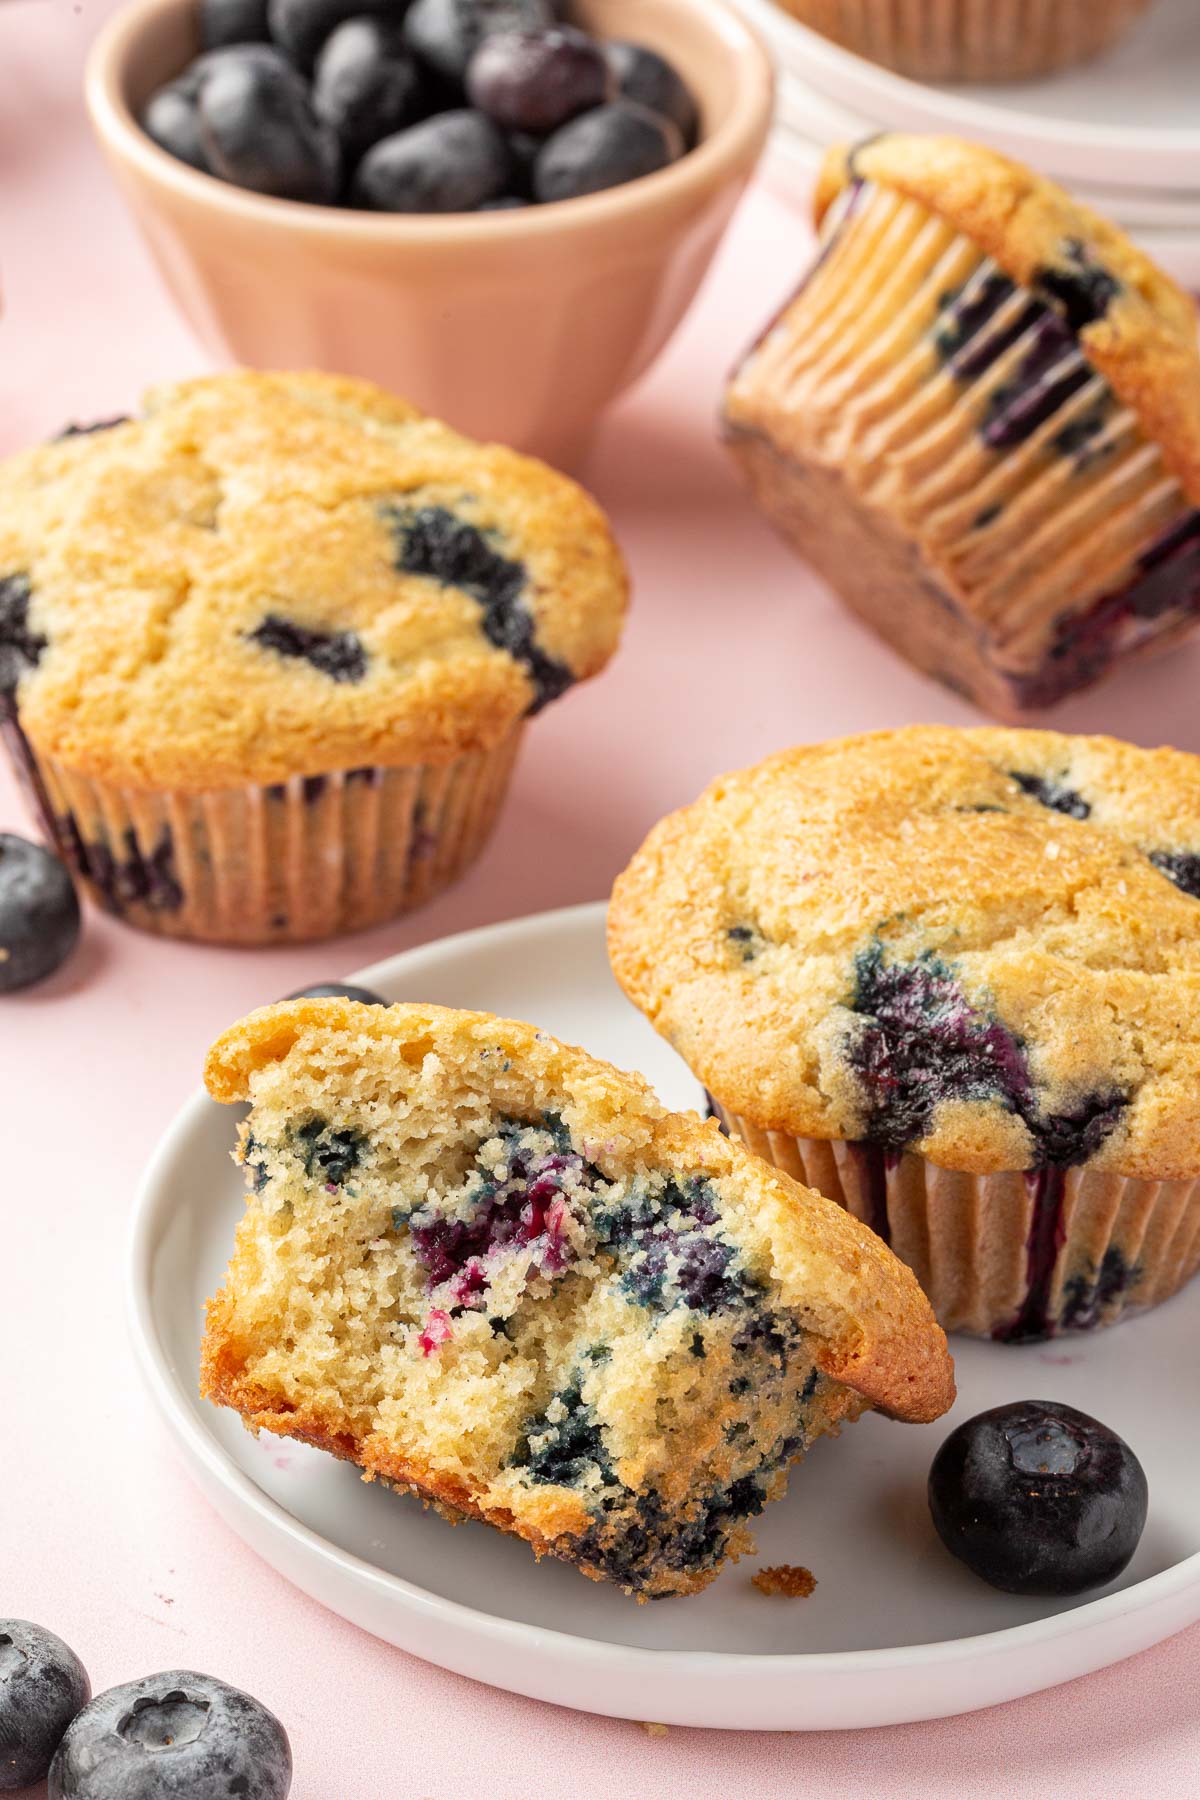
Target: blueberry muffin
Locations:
point(979, 419)
point(972, 40)
point(267, 652)
point(952, 980)
point(497, 1273)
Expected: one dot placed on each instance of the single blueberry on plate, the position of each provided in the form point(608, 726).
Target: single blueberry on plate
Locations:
point(535, 81)
point(258, 130)
point(1037, 1498)
point(366, 84)
point(172, 119)
point(446, 33)
point(300, 27)
point(333, 990)
point(604, 148)
point(39, 913)
point(232, 22)
point(174, 1736)
point(448, 164)
point(43, 1685)
point(648, 78)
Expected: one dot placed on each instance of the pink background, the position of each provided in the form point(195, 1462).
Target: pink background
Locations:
point(732, 651)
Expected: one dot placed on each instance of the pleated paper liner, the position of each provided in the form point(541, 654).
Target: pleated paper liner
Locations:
point(1016, 1256)
point(308, 858)
point(936, 442)
point(971, 40)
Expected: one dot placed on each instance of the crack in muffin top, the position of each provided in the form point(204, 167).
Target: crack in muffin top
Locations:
point(225, 591)
point(983, 945)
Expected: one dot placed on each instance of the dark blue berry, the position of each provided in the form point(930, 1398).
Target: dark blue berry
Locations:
point(1049, 372)
point(300, 27)
point(604, 148)
point(1180, 866)
point(258, 129)
point(175, 1736)
point(534, 81)
point(649, 79)
point(1037, 1498)
point(20, 645)
point(172, 119)
point(43, 1685)
point(505, 203)
point(1053, 794)
point(448, 164)
point(338, 654)
point(446, 33)
point(571, 1450)
point(366, 84)
point(331, 990)
point(232, 22)
point(1080, 286)
point(258, 56)
point(39, 913)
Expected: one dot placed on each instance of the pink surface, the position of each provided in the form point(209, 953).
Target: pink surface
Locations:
point(732, 651)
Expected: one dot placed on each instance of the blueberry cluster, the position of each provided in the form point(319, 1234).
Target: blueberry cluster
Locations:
point(433, 106)
point(668, 1252)
point(178, 1733)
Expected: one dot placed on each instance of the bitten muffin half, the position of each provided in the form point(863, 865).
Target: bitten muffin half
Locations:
point(951, 979)
point(979, 419)
point(972, 40)
point(267, 652)
point(494, 1271)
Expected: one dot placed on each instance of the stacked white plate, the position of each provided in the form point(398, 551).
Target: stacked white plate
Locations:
point(1123, 133)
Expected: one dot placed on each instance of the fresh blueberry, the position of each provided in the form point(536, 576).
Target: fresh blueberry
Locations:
point(232, 22)
point(261, 56)
point(536, 80)
point(604, 148)
point(505, 203)
point(366, 83)
point(448, 164)
point(333, 990)
point(175, 1734)
point(43, 1685)
point(1037, 1498)
point(258, 129)
point(649, 79)
point(300, 27)
point(39, 913)
point(172, 119)
point(446, 33)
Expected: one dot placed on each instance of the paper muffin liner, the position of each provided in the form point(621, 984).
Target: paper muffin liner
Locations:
point(971, 40)
point(1017, 1256)
point(936, 442)
point(308, 858)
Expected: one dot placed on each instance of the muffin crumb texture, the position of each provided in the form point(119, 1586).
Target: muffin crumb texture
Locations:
point(789, 1580)
point(496, 1273)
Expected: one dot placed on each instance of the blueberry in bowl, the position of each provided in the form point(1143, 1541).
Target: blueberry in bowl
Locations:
point(1037, 1498)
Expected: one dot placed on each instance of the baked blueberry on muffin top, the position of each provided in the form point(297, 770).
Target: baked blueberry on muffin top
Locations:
point(976, 948)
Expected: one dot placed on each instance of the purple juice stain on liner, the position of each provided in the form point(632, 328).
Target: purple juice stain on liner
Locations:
point(874, 1163)
point(133, 877)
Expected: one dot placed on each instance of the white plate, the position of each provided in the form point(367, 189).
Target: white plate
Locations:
point(1129, 119)
point(896, 1630)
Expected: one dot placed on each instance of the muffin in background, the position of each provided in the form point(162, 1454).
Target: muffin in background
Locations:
point(267, 653)
point(972, 40)
point(979, 419)
point(951, 979)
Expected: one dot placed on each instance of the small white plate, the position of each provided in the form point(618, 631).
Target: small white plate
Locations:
point(896, 1629)
point(1128, 119)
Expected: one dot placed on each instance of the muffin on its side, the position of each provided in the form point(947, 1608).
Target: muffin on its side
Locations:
point(267, 653)
point(952, 980)
point(494, 1271)
point(972, 40)
point(979, 419)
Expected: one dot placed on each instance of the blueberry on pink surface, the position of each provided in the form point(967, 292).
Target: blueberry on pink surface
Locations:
point(43, 1685)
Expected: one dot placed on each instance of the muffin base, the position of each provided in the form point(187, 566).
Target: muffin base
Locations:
point(971, 40)
point(1017, 1256)
point(309, 858)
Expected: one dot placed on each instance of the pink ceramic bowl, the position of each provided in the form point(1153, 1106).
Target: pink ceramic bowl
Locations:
point(517, 326)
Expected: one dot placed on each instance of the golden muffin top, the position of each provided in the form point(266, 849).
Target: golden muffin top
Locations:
point(277, 575)
point(1136, 325)
point(983, 945)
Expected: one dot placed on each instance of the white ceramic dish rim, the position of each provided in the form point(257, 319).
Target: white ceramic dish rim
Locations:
point(705, 1676)
point(1135, 156)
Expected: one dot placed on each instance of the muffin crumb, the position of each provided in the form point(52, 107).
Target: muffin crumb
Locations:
point(792, 1580)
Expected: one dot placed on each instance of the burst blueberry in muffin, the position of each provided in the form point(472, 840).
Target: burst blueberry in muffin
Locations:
point(952, 980)
point(979, 419)
point(493, 1271)
point(267, 653)
point(972, 40)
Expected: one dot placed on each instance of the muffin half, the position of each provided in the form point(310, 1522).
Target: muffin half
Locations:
point(979, 419)
point(951, 979)
point(267, 653)
point(494, 1271)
